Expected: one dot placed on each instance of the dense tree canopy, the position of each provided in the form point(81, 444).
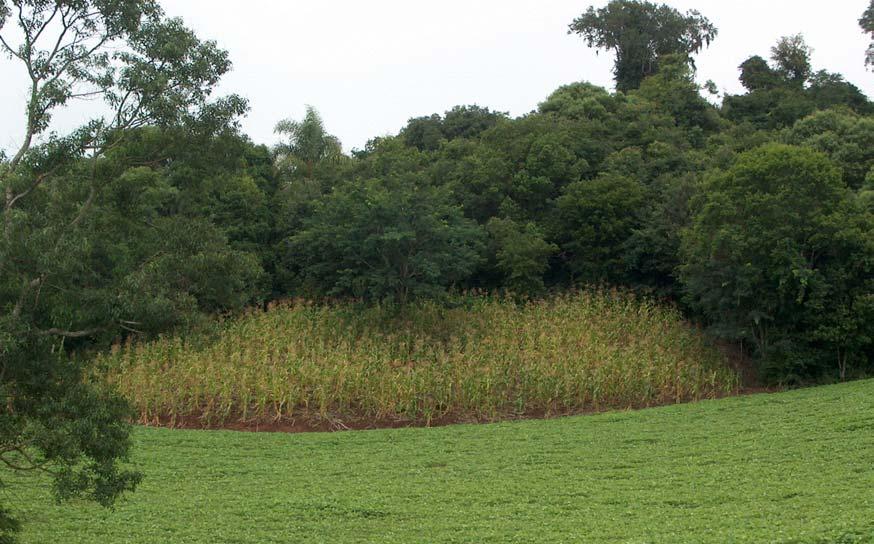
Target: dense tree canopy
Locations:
point(779, 241)
point(781, 94)
point(395, 238)
point(426, 133)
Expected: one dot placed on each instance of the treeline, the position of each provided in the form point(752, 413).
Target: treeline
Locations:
point(754, 216)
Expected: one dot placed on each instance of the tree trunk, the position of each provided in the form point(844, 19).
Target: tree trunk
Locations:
point(842, 365)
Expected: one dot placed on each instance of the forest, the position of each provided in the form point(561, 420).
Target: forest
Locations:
point(750, 215)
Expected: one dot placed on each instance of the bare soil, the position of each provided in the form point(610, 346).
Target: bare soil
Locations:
point(335, 423)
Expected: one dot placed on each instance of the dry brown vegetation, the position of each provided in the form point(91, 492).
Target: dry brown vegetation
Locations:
point(489, 359)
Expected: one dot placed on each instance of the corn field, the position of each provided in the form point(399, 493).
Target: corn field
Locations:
point(490, 359)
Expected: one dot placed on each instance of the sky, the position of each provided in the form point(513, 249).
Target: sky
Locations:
point(370, 66)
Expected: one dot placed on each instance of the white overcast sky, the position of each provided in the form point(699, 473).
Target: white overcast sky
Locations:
point(370, 66)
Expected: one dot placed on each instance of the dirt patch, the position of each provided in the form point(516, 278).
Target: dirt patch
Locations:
point(317, 423)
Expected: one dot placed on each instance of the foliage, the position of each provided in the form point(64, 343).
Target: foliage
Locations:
point(486, 359)
point(394, 238)
point(775, 237)
point(828, 90)
point(756, 74)
point(779, 96)
point(640, 34)
point(769, 108)
point(674, 91)
point(71, 273)
point(791, 56)
point(469, 121)
point(308, 141)
point(704, 473)
point(594, 218)
point(427, 133)
point(867, 24)
point(521, 253)
point(847, 139)
point(652, 252)
point(581, 101)
point(424, 133)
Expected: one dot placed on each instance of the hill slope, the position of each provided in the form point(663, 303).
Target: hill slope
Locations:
point(786, 468)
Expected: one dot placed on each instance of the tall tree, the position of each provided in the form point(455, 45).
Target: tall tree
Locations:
point(148, 70)
point(640, 33)
point(308, 140)
point(791, 55)
point(756, 75)
point(788, 89)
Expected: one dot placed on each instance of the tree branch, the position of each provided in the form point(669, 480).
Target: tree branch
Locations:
point(27, 286)
point(46, 23)
point(11, 51)
point(36, 183)
point(71, 334)
point(31, 462)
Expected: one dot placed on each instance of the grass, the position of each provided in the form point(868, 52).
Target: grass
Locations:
point(490, 359)
point(784, 468)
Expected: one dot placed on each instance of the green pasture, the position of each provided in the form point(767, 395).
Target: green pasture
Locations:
point(794, 467)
